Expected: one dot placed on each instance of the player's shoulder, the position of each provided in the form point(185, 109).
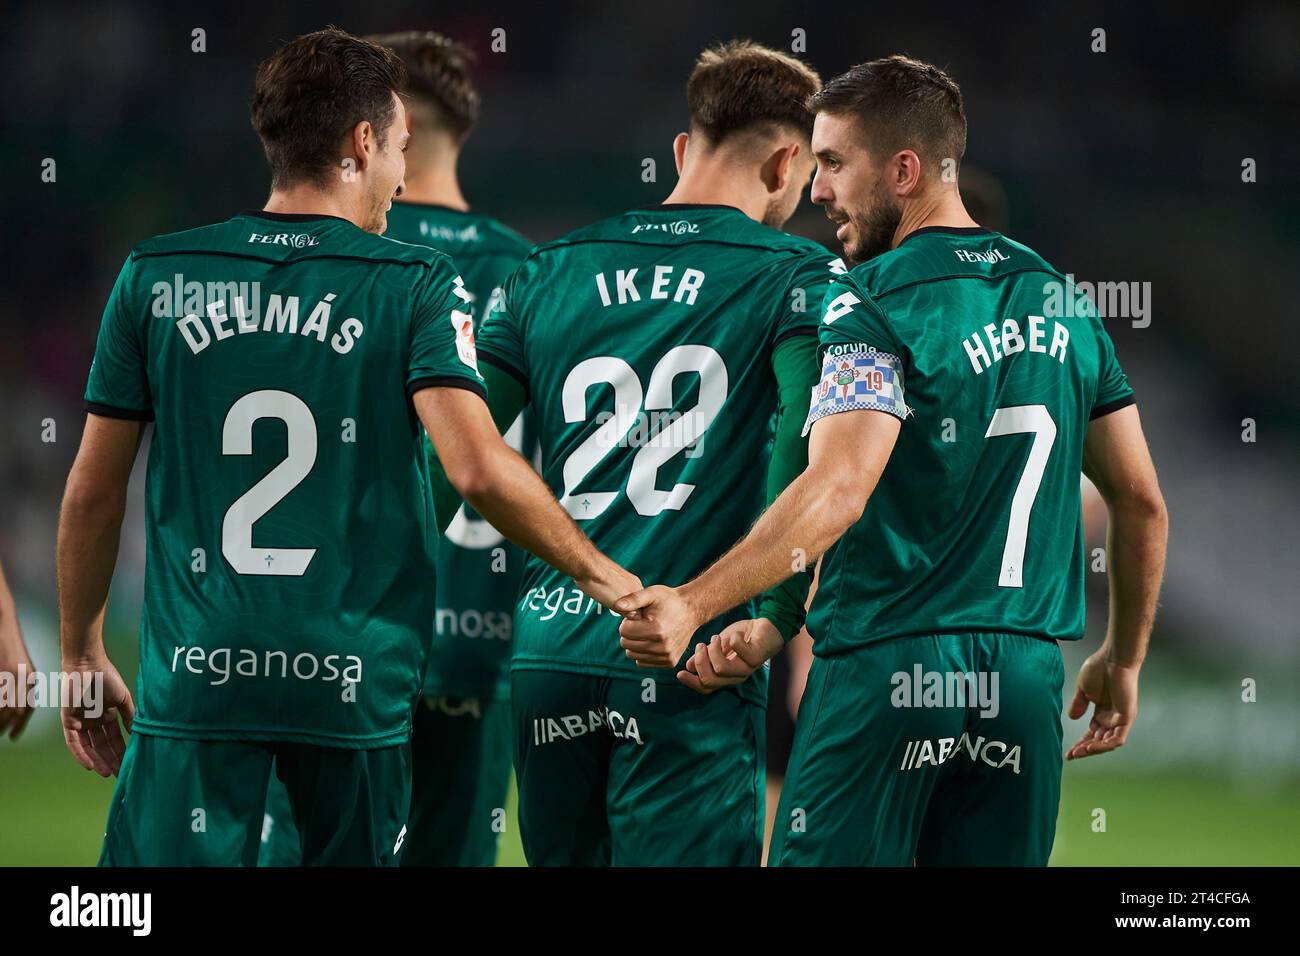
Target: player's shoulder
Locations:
point(937, 253)
point(384, 249)
point(540, 257)
point(459, 231)
point(688, 224)
point(506, 239)
point(286, 238)
point(799, 250)
point(609, 229)
point(776, 249)
point(213, 237)
point(1028, 258)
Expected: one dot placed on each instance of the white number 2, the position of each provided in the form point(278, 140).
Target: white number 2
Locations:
point(237, 439)
point(1018, 420)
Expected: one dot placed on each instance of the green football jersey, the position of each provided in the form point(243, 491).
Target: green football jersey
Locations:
point(645, 342)
point(996, 367)
point(478, 569)
point(290, 535)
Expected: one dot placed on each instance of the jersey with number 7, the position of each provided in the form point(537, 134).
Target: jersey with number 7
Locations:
point(996, 365)
point(290, 534)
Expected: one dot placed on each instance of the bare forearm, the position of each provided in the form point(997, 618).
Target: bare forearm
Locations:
point(520, 505)
point(8, 612)
point(802, 523)
point(506, 399)
point(1136, 544)
point(89, 531)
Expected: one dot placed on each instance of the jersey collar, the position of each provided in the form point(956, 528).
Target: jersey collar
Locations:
point(950, 231)
point(412, 204)
point(292, 216)
point(677, 206)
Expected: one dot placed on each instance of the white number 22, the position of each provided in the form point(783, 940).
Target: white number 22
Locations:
point(679, 435)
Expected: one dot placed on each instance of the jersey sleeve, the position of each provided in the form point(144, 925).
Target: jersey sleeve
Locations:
point(501, 339)
point(1113, 389)
point(794, 363)
point(800, 311)
point(442, 334)
point(118, 386)
point(861, 357)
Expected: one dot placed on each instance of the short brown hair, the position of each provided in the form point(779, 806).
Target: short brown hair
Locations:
point(906, 104)
point(741, 86)
point(310, 93)
point(437, 77)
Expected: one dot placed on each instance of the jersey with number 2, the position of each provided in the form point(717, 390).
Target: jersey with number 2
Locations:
point(289, 528)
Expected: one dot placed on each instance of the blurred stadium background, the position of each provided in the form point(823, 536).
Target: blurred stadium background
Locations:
point(1117, 166)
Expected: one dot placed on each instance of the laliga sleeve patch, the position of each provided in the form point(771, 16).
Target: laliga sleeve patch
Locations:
point(862, 378)
point(463, 323)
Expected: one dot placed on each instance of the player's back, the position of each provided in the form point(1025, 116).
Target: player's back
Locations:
point(290, 536)
point(485, 250)
point(478, 569)
point(645, 342)
point(975, 523)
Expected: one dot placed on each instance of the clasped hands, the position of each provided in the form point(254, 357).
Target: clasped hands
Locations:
point(659, 623)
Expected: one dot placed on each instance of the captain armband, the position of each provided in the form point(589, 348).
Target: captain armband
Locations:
point(861, 378)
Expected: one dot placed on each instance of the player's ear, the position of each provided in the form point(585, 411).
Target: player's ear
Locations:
point(363, 143)
point(905, 172)
point(679, 151)
point(778, 167)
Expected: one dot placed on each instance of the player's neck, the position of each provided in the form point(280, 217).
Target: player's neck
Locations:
point(717, 187)
point(435, 191)
point(944, 209)
point(307, 200)
point(434, 182)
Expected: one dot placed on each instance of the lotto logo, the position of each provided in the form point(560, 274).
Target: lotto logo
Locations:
point(840, 306)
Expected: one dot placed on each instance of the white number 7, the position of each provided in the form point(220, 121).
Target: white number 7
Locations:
point(1017, 420)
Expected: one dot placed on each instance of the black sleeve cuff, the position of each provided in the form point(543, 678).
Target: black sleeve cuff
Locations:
point(792, 333)
point(1114, 406)
point(446, 381)
point(499, 363)
point(112, 411)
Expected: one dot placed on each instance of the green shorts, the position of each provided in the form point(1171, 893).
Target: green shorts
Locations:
point(460, 763)
point(460, 775)
point(281, 844)
point(620, 772)
point(202, 802)
point(934, 750)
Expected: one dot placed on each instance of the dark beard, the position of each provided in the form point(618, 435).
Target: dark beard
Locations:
point(876, 229)
point(875, 232)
